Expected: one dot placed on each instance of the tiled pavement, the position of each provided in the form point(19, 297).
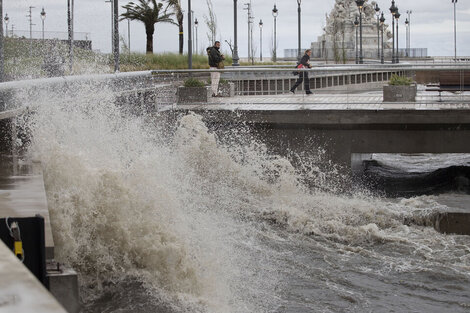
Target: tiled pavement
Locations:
point(425, 100)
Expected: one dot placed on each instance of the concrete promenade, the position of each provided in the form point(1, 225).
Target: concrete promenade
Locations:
point(347, 125)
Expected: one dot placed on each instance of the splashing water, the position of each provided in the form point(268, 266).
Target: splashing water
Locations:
point(186, 221)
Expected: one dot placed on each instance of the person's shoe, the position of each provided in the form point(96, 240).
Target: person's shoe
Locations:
point(293, 91)
point(308, 92)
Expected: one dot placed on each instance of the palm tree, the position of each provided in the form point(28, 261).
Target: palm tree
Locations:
point(149, 15)
point(176, 5)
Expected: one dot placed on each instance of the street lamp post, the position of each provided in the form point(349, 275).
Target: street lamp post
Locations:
point(7, 20)
point(196, 24)
point(360, 4)
point(377, 13)
point(261, 40)
point(408, 12)
point(1, 43)
point(300, 45)
point(190, 43)
point(356, 24)
point(129, 35)
point(397, 16)
point(275, 14)
point(43, 17)
point(407, 25)
point(393, 10)
point(382, 21)
point(455, 31)
point(235, 57)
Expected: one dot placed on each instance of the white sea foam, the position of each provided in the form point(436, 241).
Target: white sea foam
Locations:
point(190, 214)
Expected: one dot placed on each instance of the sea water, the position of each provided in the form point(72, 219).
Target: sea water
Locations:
point(180, 219)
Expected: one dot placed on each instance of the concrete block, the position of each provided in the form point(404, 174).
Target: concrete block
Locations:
point(227, 90)
point(63, 285)
point(193, 94)
point(399, 93)
point(453, 223)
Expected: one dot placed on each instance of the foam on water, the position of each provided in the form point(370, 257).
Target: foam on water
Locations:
point(201, 221)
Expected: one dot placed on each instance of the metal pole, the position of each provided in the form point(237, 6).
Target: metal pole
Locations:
point(190, 40)
point(361, 57)
point(69, 28)
point(1, 44)
point(30, 31)
point(129, 35)
point(275, 47)
point(397, 60)
point(378, 37)
point(235, 57)
point(357, 50)
point(382, 60)
point(299, 53)
point(261, 43)
point(455, 30)
point(116, 35)
point(393, 40)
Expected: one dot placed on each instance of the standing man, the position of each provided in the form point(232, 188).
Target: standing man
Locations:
point(303, 76)
point(216, 61)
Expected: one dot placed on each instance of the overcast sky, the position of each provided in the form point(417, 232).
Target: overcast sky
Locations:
point(431, 23)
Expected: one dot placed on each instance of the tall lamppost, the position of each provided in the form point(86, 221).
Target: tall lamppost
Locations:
point(382, 21)
point(261, 40)
point(397, 16)
point(196, 24)
point(1, 43)
point(356, 24)
point(407, 25)
point(275, 14)
point(360, 4)
point(129, 35)
point(408, 12)
point(377, 12)
point(235, 57)
point(190, 40)
point(7, 20)
point(300, 46)
point(393, 10)
point(43, 17)
point(455, 31)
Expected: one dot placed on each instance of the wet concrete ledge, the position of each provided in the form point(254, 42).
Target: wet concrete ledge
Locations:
point(453, 223)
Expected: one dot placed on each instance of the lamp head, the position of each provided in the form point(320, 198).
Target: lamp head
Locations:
point(377, 9)
point(6, 19)
point(260, 23)
point(397, 14)
point(382, 19)
point(275, 11)
point(196, 22)
point(43, 14)
point(393, 8)
point(356, 22)
point(360, 3)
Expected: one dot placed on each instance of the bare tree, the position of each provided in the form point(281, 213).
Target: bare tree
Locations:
point(211, 22)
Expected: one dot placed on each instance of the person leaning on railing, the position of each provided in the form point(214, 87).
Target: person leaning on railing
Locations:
point(303, 75)
point(216, 61)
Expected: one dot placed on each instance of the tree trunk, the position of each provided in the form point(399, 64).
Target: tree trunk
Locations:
point(149, 30)
point(181, 35)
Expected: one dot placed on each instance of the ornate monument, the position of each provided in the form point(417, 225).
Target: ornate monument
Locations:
point(339, 35)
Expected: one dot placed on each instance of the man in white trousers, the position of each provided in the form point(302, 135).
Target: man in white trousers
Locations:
point(216, 61)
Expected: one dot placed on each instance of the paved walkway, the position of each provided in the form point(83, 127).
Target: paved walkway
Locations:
point(425, 100)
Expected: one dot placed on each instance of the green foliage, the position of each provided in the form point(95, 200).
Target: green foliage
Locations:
point(400, 80)
point(193, 82)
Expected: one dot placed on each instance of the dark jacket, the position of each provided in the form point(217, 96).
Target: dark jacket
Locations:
point(214, 56)
point(304, 61)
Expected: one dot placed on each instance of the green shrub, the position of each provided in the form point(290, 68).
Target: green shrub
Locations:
point(193, 82)
point(400, 80)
